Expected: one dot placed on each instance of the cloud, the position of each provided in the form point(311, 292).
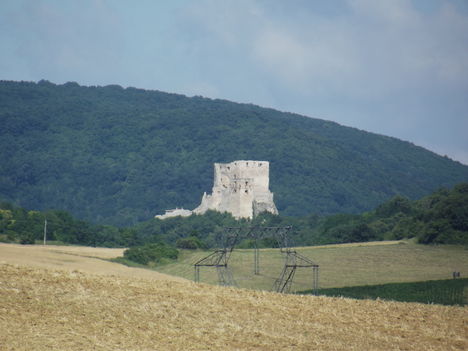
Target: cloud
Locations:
point(395, 67)
point(316, 59)
point(65, 42)
point(379, 48)
point(392, 67)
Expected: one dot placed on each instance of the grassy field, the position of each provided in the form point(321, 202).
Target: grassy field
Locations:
point(44, 309)
point(340, 265)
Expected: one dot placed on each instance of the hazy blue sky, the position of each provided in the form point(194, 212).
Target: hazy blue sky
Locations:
point(394, 67)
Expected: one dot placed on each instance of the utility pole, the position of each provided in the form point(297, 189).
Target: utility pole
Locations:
point(45, 230)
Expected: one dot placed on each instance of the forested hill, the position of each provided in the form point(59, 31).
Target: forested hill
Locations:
point(120, 156)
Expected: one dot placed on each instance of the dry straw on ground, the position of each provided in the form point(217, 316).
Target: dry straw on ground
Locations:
point(80, 258)
point(45, 309)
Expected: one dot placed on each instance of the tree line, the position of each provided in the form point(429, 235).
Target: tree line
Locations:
point(440, 218)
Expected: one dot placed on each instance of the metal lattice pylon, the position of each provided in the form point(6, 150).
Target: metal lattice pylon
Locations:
point(257, 233)
point(220, 258)
point(294, 260)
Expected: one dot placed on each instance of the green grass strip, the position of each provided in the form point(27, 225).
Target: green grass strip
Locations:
point(444, 292)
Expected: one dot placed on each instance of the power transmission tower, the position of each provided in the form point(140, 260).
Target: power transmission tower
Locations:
point(294, 260)
point(220, 258)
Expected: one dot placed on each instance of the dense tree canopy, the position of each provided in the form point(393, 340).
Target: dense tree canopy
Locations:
point(440, 218)
point(119, 156)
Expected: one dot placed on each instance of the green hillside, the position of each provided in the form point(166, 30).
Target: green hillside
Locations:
point(120, 156)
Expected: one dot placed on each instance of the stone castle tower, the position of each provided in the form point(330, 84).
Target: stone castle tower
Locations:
point(240, 188)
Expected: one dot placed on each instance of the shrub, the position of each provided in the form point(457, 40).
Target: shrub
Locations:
point(27, 238)
point(190, 243)
point(151, 253)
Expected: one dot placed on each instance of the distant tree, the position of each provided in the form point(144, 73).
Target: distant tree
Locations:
point(190, 243)
point(397, 204)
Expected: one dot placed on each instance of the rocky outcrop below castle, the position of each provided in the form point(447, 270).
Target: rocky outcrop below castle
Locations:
point(240, 188)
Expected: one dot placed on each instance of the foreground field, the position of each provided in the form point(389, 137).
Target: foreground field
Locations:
point(58, 310)
point(340, 265)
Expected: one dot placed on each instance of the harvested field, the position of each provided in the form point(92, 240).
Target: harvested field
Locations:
point(74, 258)
point(43, 309)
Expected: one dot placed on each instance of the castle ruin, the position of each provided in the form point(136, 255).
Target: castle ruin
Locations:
point(240, 188)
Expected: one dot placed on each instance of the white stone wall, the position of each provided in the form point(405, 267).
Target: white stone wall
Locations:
point(241, 188)
point(174, 213)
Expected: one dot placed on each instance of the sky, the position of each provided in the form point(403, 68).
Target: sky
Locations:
point(392, 67)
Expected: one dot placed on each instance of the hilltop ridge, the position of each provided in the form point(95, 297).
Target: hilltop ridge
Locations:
point(119, 156)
